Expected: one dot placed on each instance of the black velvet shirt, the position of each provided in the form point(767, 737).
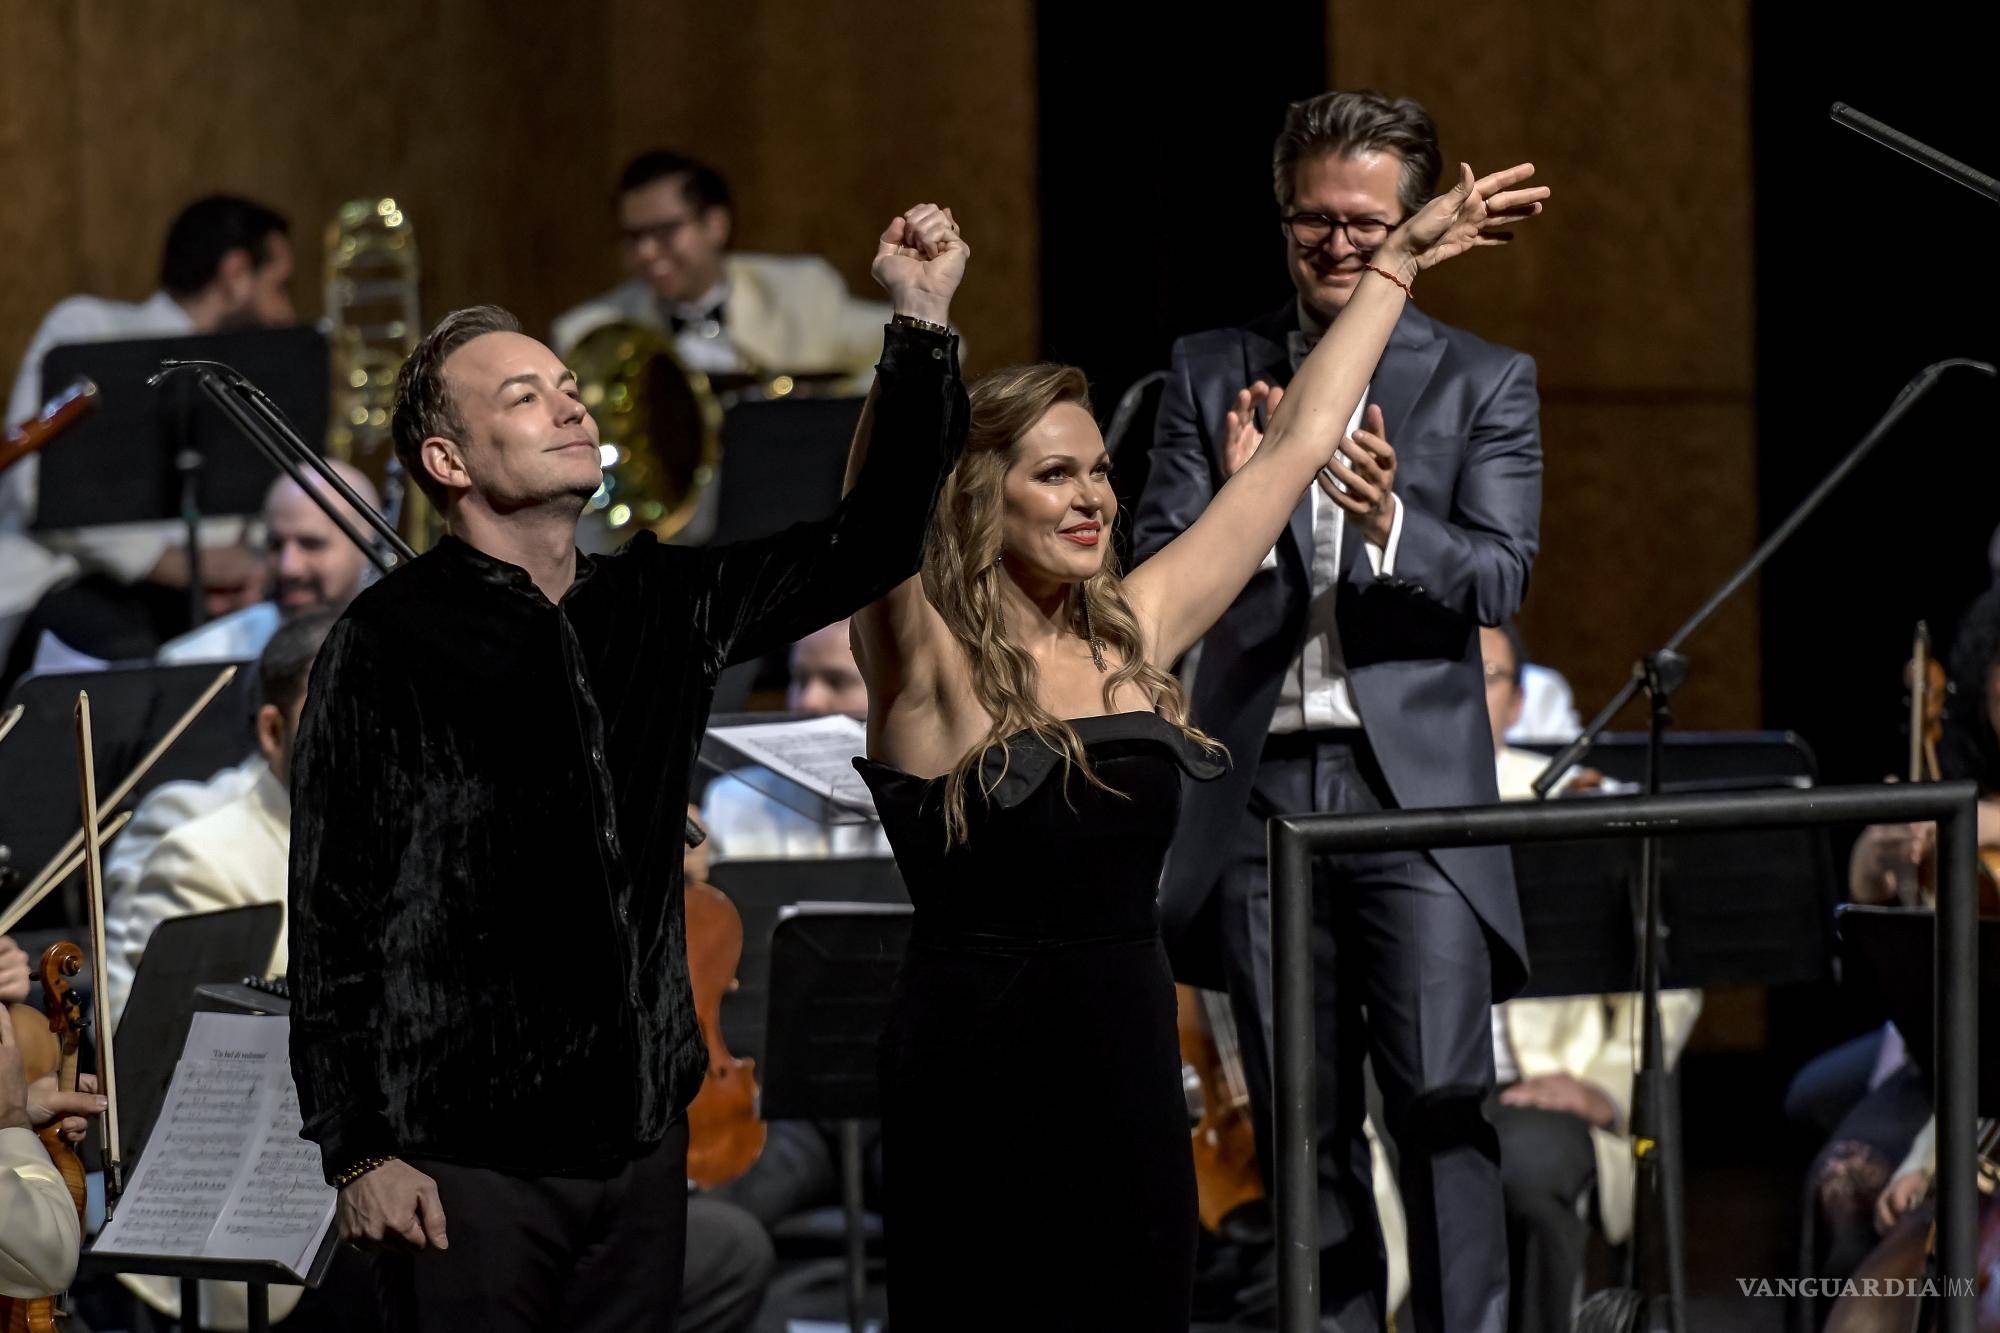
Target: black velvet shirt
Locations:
point(488, 958)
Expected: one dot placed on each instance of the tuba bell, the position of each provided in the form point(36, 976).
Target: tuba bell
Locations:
point(660, 426)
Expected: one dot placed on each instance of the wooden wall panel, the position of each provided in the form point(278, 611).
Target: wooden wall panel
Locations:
point(1634, 295)
point(39, 174)
point(501, 126)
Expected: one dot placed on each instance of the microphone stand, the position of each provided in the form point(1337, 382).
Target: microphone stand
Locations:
point(1656, 1140)
point(260, 421)
point(1917, 151)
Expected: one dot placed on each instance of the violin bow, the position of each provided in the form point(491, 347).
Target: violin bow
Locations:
point(100, 987)
point(64, 862)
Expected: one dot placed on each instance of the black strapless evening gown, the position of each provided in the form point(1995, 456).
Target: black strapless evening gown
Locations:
point(1038, 1172)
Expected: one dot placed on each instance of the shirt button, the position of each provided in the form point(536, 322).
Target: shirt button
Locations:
point(937, 353)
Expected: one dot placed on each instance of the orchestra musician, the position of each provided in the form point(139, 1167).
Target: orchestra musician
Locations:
point(1564, 1067)
point(1866, 1100)
point(744, 822)
point(236, 854)
point(309, 567)
point(492, 1027)
point(40, 1237)
point(726, 311)
point(226, 264)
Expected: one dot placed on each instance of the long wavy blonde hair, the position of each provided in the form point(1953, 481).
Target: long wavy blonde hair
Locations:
point(962, 574)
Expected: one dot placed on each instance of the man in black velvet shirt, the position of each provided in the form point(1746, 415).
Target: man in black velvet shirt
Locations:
point(491, 1017)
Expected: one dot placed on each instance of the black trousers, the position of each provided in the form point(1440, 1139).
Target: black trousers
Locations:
point(530, 1254)
point(1548, 1174)
point(1402, 974)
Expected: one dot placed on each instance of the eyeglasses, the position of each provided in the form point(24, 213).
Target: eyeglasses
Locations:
point(661, 234)
point(1312, 230)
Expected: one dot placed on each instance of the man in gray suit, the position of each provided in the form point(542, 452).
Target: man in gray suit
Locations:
point(1347, 678)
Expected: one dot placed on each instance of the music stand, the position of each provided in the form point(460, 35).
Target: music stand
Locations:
point(1891, 954)
point(131, 707)
point(1739, 908)
point(782, 463)
point(150, 454)
point(832, 968)
point(185, 952)
point(762, 890)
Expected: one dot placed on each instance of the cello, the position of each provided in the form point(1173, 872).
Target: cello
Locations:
point(724, 1134)
point(49, 1043)
point(1907, 1254)
point(1226, 1174)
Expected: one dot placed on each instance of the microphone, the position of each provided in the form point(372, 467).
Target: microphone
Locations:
point(1916, 150)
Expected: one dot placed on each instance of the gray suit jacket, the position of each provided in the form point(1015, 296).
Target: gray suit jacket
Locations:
point(1463, 416)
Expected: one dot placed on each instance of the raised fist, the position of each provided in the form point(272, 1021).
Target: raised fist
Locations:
point(920, 261)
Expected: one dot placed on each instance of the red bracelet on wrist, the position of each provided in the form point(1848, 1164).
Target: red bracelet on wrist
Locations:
point(1407, 291)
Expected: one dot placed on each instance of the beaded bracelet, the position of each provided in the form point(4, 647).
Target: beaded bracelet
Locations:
point(358, 1170)
point(1407, 291)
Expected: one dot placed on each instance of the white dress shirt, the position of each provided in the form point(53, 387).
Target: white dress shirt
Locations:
point(235, 855)
point(1315, 694)
point(39, 1233)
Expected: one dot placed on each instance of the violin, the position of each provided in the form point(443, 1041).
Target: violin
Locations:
point(49, 1043)
point(1226, 1174)
point(725, 1136)
point(1909, 1252)
point(1928, 691)
point(67, 408)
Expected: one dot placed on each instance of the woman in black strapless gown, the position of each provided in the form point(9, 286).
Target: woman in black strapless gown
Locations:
point(1028, 747)
point(1031, 1074)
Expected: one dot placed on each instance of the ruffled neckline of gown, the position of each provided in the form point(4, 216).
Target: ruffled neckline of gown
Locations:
point(1029, 760)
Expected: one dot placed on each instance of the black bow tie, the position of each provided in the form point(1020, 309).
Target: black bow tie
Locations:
point(680, 323)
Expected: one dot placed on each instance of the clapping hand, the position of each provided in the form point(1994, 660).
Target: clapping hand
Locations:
point(1470, 214)
point(1361, 478)
point(1242, 431)
point(920, 262)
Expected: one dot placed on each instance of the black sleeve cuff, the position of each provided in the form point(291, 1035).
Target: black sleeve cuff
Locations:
point(352, 1141)
point(909, 350)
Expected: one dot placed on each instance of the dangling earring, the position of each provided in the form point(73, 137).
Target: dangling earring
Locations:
point(1096, 644)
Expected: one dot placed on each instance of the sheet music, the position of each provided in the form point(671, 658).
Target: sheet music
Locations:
point(817, 754)
point(225, 1174)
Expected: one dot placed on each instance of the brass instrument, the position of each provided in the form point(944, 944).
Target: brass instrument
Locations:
point(372, 324)
point(661, 428)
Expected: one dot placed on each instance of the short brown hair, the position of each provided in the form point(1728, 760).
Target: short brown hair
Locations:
point(424, 405)
point(1359, 122)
